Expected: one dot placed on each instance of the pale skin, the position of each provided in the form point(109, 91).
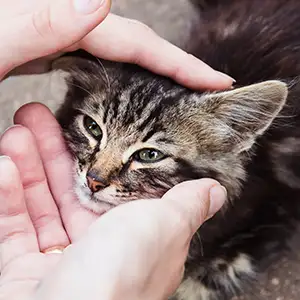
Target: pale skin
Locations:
point(38, 210)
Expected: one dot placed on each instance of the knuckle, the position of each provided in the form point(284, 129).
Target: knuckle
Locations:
point(32, 181)
point(42, 22)
point(45, 220)
point(140, 53)
point(141, 26)
point(178, 72)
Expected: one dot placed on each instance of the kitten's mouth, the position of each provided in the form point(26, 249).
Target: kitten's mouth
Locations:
point(91, 202)
point(103, 200)
point(110, 196)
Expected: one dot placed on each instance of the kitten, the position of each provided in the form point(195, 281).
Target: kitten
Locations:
point(134, 134)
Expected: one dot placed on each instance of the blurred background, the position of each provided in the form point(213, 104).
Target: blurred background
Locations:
point(172, 19)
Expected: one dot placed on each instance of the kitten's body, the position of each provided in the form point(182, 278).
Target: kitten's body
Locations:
point(253, 41)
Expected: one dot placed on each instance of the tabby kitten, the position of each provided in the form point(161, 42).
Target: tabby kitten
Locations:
point(134, 134)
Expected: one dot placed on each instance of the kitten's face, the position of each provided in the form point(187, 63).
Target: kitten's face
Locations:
point(138, 135)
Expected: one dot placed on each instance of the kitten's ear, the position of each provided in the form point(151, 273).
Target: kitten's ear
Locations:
point(73, 64)
point(78, 70)
point(248, 111)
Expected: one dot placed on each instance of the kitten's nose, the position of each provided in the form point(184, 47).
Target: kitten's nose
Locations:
point(95, 183)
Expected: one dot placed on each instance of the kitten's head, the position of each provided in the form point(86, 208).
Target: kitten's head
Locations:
point(135, 135)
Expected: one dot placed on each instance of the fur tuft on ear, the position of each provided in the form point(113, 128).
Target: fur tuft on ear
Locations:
point(77, 60)
point(75, 65)
point(248, 111)
point(82, 70)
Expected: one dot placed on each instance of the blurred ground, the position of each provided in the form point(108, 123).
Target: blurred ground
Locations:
point(171, 19)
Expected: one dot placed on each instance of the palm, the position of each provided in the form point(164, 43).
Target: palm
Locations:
point(38, 210)
point(21, 276)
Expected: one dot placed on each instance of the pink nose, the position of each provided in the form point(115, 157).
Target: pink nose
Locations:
point(95, 184)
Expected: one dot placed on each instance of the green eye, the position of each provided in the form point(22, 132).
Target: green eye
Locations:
point(149, 156)
point(92, 127)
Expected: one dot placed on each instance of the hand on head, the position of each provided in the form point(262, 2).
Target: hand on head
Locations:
point(38, 28)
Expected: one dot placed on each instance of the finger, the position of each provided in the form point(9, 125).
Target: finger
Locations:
point(38, 28)
point(17, 235)
point(40, 203)
point(142, 46)
point(58, 166)
point(195, 201)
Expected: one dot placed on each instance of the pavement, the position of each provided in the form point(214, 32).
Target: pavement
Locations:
point(172, 20)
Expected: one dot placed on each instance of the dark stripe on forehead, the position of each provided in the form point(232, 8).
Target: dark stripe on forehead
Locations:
point(105, 114)
point(165, 140)
point(141, 93)
point(139, 97)
point(129, 112)
point(126, 109)
point(161, 106)
point(153, 117)
point(111, 109)
point(155, 129)
point(142, 96)
point(115, 104)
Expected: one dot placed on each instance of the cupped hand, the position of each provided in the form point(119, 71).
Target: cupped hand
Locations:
point(37, 28)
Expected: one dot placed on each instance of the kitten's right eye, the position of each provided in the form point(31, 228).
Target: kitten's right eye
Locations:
point(149, 155)
point(92, 128)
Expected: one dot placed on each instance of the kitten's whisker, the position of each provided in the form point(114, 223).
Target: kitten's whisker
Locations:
point(82, 88)
point(200, 242)
point(107, 81)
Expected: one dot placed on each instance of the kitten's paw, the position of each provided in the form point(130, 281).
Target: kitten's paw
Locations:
point(193, 289)
point(220, 279)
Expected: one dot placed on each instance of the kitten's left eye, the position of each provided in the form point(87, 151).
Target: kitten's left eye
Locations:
point(92, 127)
point(149, 156)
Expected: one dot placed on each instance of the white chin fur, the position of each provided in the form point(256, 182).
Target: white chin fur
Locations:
point(85, 200)
point(99, 202)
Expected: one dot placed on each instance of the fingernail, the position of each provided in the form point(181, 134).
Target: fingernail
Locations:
point(218, 196)
point(3, 157)
point(226, 76)
point(87, 6)
point(54, 250)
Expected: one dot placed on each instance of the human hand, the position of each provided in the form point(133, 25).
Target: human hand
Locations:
point(135, 251)
point(38, 150)
point(39, 28)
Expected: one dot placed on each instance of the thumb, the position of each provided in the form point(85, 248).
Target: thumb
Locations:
point(196, 201)
point(44, 27)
